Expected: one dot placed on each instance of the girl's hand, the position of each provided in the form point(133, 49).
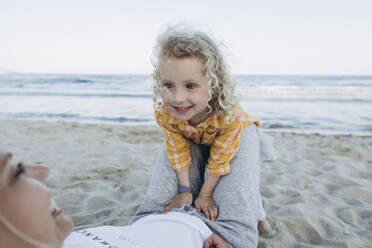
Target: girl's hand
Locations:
point(178, 201)
point(206, 203)
point(216, 241)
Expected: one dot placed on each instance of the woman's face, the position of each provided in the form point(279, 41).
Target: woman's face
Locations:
point(26, 203)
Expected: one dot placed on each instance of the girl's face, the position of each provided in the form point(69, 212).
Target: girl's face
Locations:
point(185, 89)
point(26, 203)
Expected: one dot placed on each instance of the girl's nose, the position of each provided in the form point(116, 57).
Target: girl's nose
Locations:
point(179, 97)
point(38, 172)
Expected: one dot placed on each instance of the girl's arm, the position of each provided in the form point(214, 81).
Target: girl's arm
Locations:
point(180, 198)
point(204, 200)
point(183, 178)
point(209, 184)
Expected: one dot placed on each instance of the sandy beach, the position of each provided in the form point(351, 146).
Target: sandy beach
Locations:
point(318, 193)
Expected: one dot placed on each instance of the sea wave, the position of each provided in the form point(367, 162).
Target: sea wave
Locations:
point(313, 104)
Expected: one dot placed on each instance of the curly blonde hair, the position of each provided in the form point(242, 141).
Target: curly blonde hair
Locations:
point(183, 40)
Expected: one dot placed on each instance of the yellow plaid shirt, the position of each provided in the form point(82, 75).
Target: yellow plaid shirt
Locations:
point(224, 139)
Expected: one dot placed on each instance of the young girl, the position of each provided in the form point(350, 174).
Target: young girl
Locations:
point(204, 127)
point(198, 104)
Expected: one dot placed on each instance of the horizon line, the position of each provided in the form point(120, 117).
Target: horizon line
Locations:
point(143, 74)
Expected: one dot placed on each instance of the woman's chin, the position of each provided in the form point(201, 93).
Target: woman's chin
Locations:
point(64, 226)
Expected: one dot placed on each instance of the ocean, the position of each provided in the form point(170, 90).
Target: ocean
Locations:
point(302, 104)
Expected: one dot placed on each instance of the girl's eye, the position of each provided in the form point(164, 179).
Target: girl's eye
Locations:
point(190, 86)
point(20, 169)
point(167, 85)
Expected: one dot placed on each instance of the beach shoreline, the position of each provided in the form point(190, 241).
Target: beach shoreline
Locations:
point(318, 192)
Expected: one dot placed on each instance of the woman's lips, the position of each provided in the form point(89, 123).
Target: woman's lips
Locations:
point(182, 109)
point(56, 212)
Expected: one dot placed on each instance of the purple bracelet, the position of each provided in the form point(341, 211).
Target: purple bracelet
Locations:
point(183, 189)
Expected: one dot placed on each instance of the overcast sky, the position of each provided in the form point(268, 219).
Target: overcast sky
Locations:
point(112, 36)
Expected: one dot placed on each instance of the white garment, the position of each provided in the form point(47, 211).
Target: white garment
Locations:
point(174, 229)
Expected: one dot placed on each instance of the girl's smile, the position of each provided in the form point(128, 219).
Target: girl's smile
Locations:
point(182, 109)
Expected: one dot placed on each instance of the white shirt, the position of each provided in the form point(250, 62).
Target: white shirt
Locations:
point(174, 229)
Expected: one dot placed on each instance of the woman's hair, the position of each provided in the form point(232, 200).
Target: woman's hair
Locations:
point(182, 41)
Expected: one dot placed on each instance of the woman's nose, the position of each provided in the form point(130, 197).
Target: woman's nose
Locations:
point(38, 172)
